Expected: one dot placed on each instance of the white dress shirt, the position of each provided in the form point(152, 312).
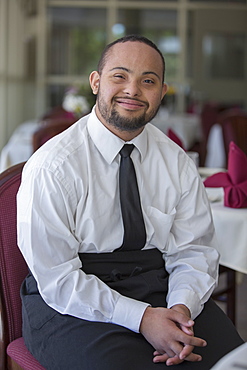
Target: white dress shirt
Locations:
point(68, 202)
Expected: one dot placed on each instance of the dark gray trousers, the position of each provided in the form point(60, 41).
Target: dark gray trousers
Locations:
point(64, 342)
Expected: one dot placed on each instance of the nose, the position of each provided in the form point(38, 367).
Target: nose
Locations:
point(132, 88)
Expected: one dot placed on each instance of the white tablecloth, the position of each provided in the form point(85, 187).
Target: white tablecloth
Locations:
point(19, 147)
point(187, 126)
point(230, 226)
point(231, 230)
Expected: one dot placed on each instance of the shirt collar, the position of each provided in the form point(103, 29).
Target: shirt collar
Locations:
point(109, 144)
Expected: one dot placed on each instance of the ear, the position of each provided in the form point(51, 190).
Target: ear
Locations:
point(164, 90)
point(94, 79)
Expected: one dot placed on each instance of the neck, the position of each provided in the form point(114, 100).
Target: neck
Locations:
point(124, 135)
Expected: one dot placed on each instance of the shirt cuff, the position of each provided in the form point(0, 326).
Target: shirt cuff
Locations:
point(187, 297)
point(128, 312)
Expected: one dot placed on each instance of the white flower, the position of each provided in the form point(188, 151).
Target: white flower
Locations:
point(75, 103)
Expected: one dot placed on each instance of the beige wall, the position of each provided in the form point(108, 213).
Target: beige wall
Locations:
point(11, 67)
point(20, 96)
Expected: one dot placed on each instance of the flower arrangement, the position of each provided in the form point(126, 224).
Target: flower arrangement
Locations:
point(75, 103)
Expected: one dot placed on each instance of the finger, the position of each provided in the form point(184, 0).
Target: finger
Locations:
point(186, 352)
point(191, 340)
point(193, 357)
point(180, 343)
point(187, 330)
point(163, 358)
point(187, 349)
point(177, 348)
point(173, 361)
point(160, 358)
point(177, 360)
point(169, 352)
point(180, 318)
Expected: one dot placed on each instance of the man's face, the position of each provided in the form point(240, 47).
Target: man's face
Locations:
point(129, 89)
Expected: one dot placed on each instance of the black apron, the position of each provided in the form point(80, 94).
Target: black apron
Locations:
point(64, 342)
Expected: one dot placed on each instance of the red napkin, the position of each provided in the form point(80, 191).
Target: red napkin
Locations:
point(171, 134)
point(234, 181)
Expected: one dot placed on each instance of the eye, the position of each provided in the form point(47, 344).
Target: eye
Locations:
point(148, 81)
point(118, 76)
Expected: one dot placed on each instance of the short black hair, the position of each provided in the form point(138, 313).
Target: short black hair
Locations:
point(132, 38)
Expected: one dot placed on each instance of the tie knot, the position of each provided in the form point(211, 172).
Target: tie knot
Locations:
point(126, 150)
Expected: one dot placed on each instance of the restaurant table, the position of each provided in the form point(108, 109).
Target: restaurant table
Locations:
point(231, 231)
point(230, 226)
point(19, 147)
point(187, 126)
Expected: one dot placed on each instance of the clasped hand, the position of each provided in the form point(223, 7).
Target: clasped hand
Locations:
point(170, 332)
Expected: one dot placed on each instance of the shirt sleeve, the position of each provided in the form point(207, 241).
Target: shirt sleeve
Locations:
point(46, 213)
point(191, 256)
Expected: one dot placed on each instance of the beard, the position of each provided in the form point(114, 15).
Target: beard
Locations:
point(121, 123)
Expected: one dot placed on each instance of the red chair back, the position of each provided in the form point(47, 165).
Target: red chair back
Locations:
point(234, 128)
point(48, 129)
point(13, 269)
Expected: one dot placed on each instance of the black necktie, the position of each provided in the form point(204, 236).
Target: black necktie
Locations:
point(134, 228)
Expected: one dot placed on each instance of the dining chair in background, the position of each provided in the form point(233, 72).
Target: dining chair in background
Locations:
point(57, 112)
point(227, 292)
point(48, 129)
point(215, 113)
point(13, 269)
point(234, 128)
point(209, 115)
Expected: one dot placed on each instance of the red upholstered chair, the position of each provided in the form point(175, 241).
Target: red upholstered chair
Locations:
point(234, 128)
point(13, 269)
point(50, 128)
point(58, 112)
point(210, 115)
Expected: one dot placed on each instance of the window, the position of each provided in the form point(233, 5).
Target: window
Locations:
point(158, 25)
point(224, 55)
point(76, 38)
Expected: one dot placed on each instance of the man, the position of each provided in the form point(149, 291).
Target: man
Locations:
point(93, 300)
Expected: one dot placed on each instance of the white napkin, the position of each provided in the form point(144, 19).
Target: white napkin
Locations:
point(215, 194)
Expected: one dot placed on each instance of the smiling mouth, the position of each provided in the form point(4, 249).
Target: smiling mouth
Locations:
point(130, 104)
